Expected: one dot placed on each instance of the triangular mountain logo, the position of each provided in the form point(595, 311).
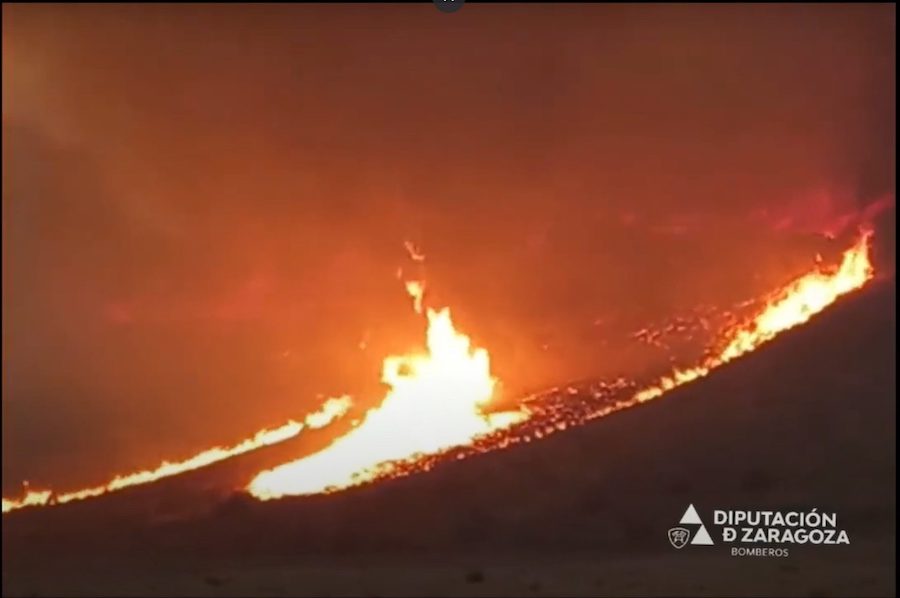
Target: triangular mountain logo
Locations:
point(701, 538)
point(691, 516)
point(678, 536)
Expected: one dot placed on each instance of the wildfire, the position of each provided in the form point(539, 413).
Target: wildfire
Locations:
point(330, 410)
point(434, 403)
point(435, 399)
point(789, 306)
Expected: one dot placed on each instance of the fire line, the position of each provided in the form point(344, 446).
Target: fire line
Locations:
point(438, 398)
point(330, 410)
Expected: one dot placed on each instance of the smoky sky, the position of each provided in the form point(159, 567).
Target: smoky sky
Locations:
point(204, 207)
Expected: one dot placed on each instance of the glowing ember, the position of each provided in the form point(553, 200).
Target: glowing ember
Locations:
point(331, 410)
point(435, 403)
point(436, 399)
point(413, 252)
point(790, 306)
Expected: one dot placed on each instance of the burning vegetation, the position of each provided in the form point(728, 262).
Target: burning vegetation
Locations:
point(436, 406)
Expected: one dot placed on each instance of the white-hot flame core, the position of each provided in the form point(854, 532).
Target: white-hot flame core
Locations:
point(434, 403)
point(436, 398)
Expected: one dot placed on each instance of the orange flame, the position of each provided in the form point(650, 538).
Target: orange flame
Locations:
point(434, 403)
point(330, 410)
point(790, 306)
point(414, 253)
point(416, 290)
point(436, 399)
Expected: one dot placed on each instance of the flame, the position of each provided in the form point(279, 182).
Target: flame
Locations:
point(416, 290)
point(436, 399)
point(32, 497)
point(414, 253)
point(789, 306)
point(434, 403)
point(332, 409)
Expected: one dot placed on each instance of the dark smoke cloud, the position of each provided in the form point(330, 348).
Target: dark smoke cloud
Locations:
point(204, 207)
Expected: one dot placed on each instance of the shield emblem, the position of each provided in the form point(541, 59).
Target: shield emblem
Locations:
point(678, 536)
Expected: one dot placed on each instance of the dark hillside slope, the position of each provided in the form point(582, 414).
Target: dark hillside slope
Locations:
point(807, 421)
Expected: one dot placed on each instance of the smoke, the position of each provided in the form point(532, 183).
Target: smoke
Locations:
point(204, 207)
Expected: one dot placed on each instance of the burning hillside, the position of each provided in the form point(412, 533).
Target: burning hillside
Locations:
point(409, 429)
point(330, 410)
point(438, 401)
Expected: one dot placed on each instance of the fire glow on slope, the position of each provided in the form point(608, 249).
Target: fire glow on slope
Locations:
point(435, 399)
point(434, 403)
point(789, 306)
point(330, 410)
point(408, 431)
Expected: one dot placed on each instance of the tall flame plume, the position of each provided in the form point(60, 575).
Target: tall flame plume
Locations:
point(437, 399)
point(435, 402)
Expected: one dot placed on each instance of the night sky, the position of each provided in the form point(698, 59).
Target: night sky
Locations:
point(204, 207)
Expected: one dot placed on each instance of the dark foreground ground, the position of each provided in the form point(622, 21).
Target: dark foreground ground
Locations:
point(807, 422)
